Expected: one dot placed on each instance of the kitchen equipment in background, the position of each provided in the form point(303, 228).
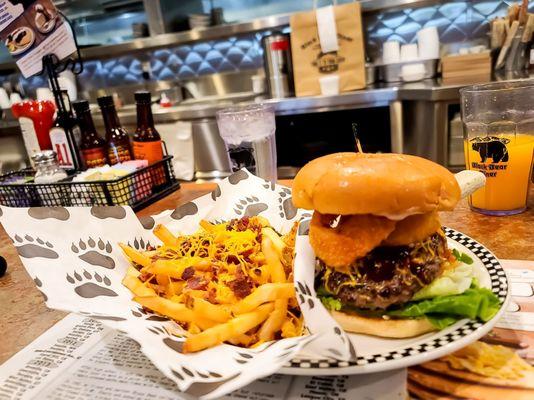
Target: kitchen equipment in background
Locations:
point(258, 84)
point(249, 135)
point(413, 72)
point(428, 43)
point(370, 73)
point(456, 142)
point(139, 30)
point(15, 97)
point(197, 21)
point(393, 72)
point(217, 16)
point(178, 138)
point(278, 65)
point(67, 81)
point(409, 52)
point(210, 156)
point(499, 144)
point(5, 102)
point(511, 38)
point(390, 52)
point(466, 68)
point(329, 85)
point(44, 93)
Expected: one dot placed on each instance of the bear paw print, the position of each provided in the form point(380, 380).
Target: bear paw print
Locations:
point(286, 207)
point(29, 247)
point(89, 286)
point(249, 207)
point(94, 253)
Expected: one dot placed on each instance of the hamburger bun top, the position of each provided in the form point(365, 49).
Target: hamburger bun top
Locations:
point(390, 185)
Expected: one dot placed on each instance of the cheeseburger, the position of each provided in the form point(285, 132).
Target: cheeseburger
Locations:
point(379, 245)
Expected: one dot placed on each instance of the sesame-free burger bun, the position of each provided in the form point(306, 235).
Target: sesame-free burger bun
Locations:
point(390, 185)
point(389, 328)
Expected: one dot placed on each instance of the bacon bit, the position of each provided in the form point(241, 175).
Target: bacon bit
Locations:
point(196, 283)
point(212, 296)
point(231, 259)
point(144, 277)
point(242, 285)
point(150, 248)
point(189, 272)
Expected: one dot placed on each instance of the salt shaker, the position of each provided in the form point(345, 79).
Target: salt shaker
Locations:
point(47, 167)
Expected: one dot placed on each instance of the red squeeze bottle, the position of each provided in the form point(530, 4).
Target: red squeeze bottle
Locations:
point(35, 118)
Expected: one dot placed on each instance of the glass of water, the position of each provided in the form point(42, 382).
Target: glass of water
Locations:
point(248, 133)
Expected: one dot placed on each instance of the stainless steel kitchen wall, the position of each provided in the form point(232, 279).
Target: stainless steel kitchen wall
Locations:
point(457, 21)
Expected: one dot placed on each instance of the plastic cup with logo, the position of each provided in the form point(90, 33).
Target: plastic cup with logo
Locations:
point(498, 121)
point(249, 135)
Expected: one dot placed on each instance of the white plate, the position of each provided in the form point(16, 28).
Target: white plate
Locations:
point(22, 49)
point(379, 354)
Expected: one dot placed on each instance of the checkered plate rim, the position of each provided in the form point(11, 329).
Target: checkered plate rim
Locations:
point(499, 286)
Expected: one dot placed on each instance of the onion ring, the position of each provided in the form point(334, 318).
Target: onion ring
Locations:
point(353, 237)
point(414, 228)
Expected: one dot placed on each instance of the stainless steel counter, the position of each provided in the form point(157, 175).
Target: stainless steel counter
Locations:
point(191, 110)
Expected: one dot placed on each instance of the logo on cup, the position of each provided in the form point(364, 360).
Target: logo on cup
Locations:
point(491, 147)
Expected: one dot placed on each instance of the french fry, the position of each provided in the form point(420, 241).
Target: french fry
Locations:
point(166, 307)
point(273, 260)
point(207, 226)
point(278, 243)
point(291, 329)
point(264, 294)
point(274, 321)
point(163, 280)
point(177, 311)
point(172, 268)
point(136, 256)
point(188, 280)
point(241, 340)
point(132, 282)
point(214, 312)
point(223, 332)
point(165, 235)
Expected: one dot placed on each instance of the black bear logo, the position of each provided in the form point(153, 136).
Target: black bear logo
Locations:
point(491, 147)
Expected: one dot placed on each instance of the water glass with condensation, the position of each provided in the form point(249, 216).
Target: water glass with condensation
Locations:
point(249, 135)
point(498, 121)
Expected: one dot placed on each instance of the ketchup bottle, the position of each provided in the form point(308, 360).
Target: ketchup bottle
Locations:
point(35, 118)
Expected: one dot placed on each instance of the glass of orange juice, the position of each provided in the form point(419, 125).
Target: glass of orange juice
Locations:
point(498, 121)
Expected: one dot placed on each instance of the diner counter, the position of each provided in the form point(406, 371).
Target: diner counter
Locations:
point(25, 316)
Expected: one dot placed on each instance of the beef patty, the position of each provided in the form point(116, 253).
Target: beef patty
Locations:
point(387, 275)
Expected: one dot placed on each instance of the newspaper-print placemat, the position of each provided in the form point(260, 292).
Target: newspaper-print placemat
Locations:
point(72, 255)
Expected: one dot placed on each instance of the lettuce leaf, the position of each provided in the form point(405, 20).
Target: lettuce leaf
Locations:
point(331, 303)
point(442, 311)
point(462, 257)
point(454, 281)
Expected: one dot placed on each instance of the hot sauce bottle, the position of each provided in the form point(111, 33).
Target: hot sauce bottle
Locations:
point(35, 118)
point(118, 142)
point(146, 141)
point(65, 136)
point(92, 146)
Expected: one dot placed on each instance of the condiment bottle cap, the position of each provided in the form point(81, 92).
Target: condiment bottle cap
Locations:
point(143, 96)
point(105, 101)
point(80, 106)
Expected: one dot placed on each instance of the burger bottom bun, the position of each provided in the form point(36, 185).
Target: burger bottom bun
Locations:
point(388, 328)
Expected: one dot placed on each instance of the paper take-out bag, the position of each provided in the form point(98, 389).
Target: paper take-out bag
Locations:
point(310, 60)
